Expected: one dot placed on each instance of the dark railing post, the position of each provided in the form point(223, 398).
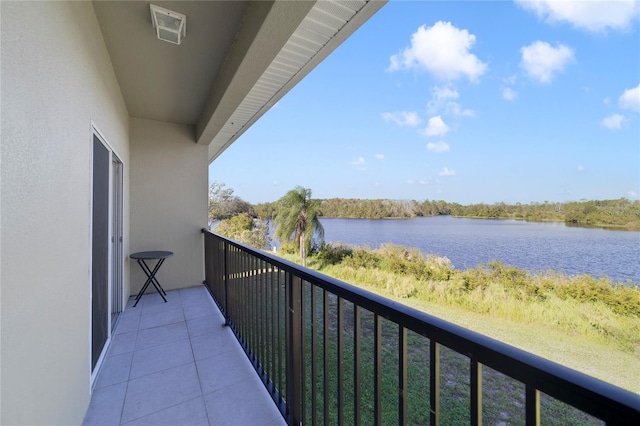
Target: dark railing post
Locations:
point(294, 391)
point(226, 283)
point(476, 393)
point(314, 358)
point(340, 361)
point(377, 375)
point(402, 376)
point(325, 351)
point(532, 406)
point(434, 381)
point(357, 373)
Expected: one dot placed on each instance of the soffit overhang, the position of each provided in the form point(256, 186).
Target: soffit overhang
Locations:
point(236, 61)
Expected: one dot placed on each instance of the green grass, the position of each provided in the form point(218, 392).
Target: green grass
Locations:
point(503, 397)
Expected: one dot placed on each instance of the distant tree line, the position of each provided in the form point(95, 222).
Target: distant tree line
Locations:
point(618, 213)
point(622, 213)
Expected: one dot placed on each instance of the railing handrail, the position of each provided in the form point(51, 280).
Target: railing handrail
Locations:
point(587, 393)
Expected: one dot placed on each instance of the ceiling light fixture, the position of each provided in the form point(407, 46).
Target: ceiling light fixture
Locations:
point(170, 26)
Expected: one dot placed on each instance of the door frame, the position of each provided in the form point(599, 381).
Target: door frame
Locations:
point(96, 133)
point(116, 209)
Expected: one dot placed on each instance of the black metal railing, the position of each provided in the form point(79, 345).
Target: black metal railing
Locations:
point(331, 353)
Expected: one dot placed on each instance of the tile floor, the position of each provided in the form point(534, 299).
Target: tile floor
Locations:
point(175, 363)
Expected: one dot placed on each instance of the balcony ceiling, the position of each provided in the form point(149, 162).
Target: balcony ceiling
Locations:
point(237, 60)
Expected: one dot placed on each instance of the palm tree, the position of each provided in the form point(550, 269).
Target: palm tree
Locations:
point(296, 220)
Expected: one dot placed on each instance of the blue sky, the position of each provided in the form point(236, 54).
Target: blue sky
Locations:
point(465, 102)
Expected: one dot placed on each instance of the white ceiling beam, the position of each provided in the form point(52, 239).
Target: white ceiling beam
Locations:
point(266, 29)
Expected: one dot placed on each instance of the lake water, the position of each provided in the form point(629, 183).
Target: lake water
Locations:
point(528, 245)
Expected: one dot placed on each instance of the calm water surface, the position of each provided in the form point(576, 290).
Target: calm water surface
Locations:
point(528, 245)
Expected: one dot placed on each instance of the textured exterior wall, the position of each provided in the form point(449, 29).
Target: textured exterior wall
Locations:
point(169, 175)
point(57, 78)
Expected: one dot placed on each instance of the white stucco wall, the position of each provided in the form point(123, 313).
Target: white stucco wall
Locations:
point(169, 175)
point(56, 78)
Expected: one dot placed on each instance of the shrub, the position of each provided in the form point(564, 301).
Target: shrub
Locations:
point(622, 299)
point(413, 263)
point(288, 248)
point(332, 254)
point(242, 227)
point(362, 258)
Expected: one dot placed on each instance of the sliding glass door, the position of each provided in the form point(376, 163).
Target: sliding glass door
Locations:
point(106, 247)
point(100, 312)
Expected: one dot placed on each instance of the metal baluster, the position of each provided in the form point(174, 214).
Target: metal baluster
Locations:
point(402, 375)
point(434, 380)
point(377, 375)
point(476, 393)
point(532, 406)
point(340, 362)
point(356, 367)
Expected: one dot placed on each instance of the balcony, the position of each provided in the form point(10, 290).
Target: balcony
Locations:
point(175, 363)
point(331, 353)
point(288, 345)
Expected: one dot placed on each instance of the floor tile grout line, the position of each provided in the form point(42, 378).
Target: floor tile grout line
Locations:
point(152, 343)
point(162, 325)
point(126, 389)
point(165, 408)
point(159, 371)
point(206, 409)
point(235, 383)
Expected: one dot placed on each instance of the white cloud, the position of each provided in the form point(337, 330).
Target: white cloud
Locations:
point(379, 157)
point(542, 61)
point(402, 118)
point(410, 181)
point(441, 100)
point(442, 50)
point(447, 172)
point(509, 94)
point(423, 182)
point(441, 146)
point(613, 122)
point(632, 194)
point(275, 183)
point(589, 15)
point(444, 93)
point(630, 99)
point(456, 109)
point(436, 127)
point(581, 168)
point(359, 162)
point(606, 101)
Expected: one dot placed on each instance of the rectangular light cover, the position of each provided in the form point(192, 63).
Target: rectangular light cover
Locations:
point(170, 26)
